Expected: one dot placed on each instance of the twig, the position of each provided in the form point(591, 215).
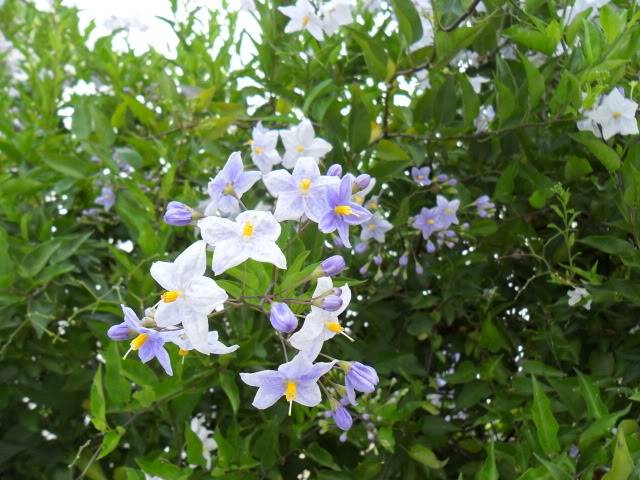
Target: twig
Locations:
point(461, 18)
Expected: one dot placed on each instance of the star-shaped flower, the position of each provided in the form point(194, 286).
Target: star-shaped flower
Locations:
point(421, 176)
point(214, 345)
point(616, 114)
point(427, 221)
point(263, 148)
point(253, 234)
point(229, 185)
point(335, 14)
point(296, 380)
point(375, 228)
point(448, 210)
point(302, 16)
point(189, 296)
point(301, 141)
point(302, 192)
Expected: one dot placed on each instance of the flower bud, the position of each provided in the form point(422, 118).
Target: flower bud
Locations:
point(119, 332)
point(333, 266)
point(377, 260)
point(331, 303)
point(443, 177)
point(343, 438)
point(431, 248)
point(282, 318)
point(178, 214)
point(452, 182)
point(361, 377)
point(342, 418)
point(334, 170)
point(419, 269)
point(361, 247)
point(363, 181)
point(364, 269)
point(403, 261)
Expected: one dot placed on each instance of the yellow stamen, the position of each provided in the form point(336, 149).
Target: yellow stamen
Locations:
point(305, 185)
point(419, 177)
point(334, 327)
point(183, 353)
point(247, 230)
point(617, 115)
point(343, 210)
point(358, 199)
point(448, 211)
point(373, 205)
point(170, 296)
point(258, 150)
point(137, 342)
point(431, 221)
point(305, 20)
point(228, 189)
point(299, 148)
point(290, 391)
point(372, 226)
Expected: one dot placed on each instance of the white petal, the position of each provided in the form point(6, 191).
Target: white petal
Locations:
point(268, 252)
point(196, 327)
point(290, 206)
point(170, 314)
point(324, 284)
point(228, 254)
point(204, 295)
point(165, 273)
point(192, 262)
point(308, 394)
point(215, 230)
point(278, 181)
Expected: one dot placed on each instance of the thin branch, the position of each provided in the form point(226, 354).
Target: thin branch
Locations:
point(462, 17)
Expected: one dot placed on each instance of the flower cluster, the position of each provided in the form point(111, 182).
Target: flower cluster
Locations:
point(236, 234)
point(325, 21)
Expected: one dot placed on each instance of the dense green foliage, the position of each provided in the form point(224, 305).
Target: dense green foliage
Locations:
point(486, 371)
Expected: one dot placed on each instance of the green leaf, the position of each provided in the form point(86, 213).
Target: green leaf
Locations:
point(35, 260)
point(535, 83)
point(386, 438)
point(68, 165)
point(612, 21)
point(97, 403)
point(576, 167)
point(622, 464)
point(425, 456)
point(546, 424)
point(110, 441)
point(321, 456)
point(489, 470)
point(506, 183)
point(375, 55)
point(194, 448)
point(600, 428)
point(408, 20)
point(608, 244)
point(118, 387)
point(591, 396)
point(359, 123)
point(230, 387)
point(607, 155)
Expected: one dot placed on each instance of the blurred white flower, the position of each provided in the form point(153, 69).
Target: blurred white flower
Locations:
point(577, 295)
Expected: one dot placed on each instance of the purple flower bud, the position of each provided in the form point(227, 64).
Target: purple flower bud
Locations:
point(342, 418)
point(331, 303)
point(361, 377)
point(119, 332)
point(452, 182)
point(363, 181)
point(178, 214)
point(366, 417)
point(334, 170)
point(431, 247)
point(333, 266)
point(343, 438)
point(377, 260)
point(282, 318)
point(442, 178)
point(465, 226)
point(361, 248)
point(403, 261)
point(419, 269)
point(364, 269)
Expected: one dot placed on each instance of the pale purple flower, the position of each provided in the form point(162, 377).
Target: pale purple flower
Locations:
point(375, 228)
point(282, 318)
point(302, 192)
point(331, 303)
point(263, 148)
point(362, 181)
point(120, 332)
point(301, 141)
point(421, 176)
point(341, 416)
point(360, 377)
point(484, 206)
point(333, 265)
point(107, 197)
point(342, 211)
point(403, 261)
point(178, 214)
point(427, 221)
point(448, 210)
point(419, 269)
point(229, 185)
point(149, 343)
point(296, 380)
point(334, 170)
point(377, 259)
point(360, 248)
point(431, 248)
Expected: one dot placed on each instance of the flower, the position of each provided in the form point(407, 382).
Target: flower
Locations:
point(361, 187)
point(205, 435)
point(302, 192)
point(334, 170)
point(178, 214)
point(360, 377)
point(377, 259)
point(484, 119)
point(342, 211)
point(335, 14)
point(484, 206)
point(214, 345)
point(477, 81)
point(341, 415)
point(403, 261)
point(248, 5)
point(149, 343)
point(296, 380)
point(331, 303)
point(107, 198)
point(375, 228)
point(332, 266)
point(421, 176)
point(263, 148)
point(302, 16)
point(425, 11)
point(119, 332)
point(577, 295)
point(419, 269)
point(229, 185)
point(189, 296)
point(428, 221)
point(362, 181)
point(301, 141)
point(321, 325)
point(447, 210)
point(253, 234)
point(282, 318)
point(616, 114)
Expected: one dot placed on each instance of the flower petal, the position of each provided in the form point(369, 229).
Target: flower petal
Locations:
point(165, 273)
point(215, 230)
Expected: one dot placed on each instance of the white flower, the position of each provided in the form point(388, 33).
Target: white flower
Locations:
point(477, 81)
point(320, 325)
point(375, 228)
point(214, 345)
point(423, 79)
point(263, 148)
point(301, 141)
point(253, 234)
point(577, 295)
point(426, 18)
point(205, 435)
point(302, 16)
point(484, 119)
point(248, 5)
point(190, 296)
point(302, 192)
point(615, 114)
point(335, 14)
